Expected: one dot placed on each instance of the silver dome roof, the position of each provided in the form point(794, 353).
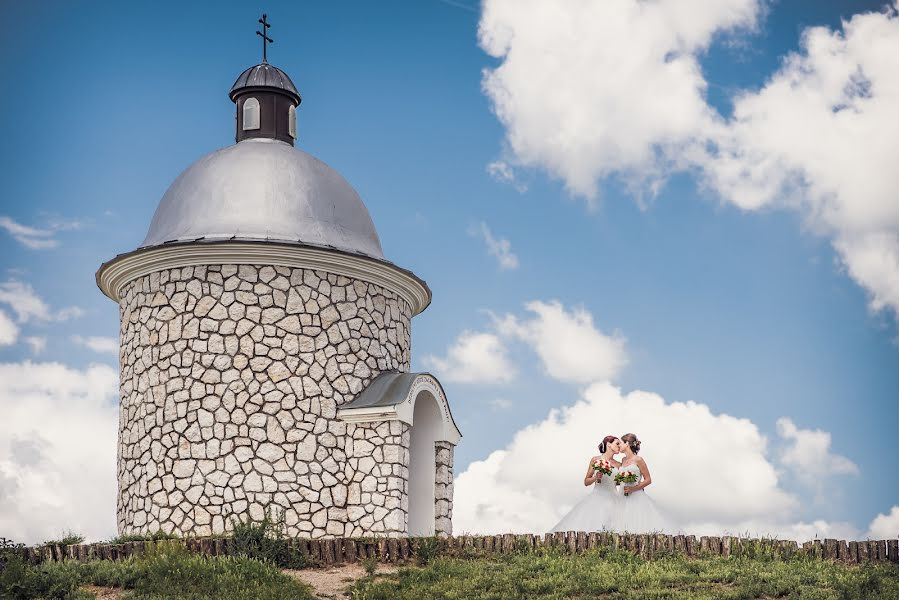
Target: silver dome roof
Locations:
point(263, 189)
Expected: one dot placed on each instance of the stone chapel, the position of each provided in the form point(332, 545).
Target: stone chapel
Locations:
point(265, 350)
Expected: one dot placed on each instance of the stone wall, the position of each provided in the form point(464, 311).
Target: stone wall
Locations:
point(443, 492)
point(231, 379)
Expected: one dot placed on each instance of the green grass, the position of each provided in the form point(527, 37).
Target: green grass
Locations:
point(171, 572)
point(607, 573)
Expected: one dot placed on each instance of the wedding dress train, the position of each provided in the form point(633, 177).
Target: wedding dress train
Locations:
point(637, 513)
point(597, 511)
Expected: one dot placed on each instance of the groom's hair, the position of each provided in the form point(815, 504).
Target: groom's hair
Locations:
point(605, 443)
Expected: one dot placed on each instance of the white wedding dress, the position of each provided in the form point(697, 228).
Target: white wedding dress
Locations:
point(597, 511)
point(637, 513)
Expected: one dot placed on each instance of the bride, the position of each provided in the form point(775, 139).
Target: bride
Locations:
point(599, 508)
point(637, 513)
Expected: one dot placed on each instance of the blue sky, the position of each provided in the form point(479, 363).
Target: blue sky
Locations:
point(750, 312)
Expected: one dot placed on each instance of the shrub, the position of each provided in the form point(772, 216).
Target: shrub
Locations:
point(370, 564)
point(265, 540)
point(68, 538)
point(425, 549)
point(153, 536)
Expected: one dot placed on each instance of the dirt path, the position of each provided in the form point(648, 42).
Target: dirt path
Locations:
point(103, 593)
point(332, 582)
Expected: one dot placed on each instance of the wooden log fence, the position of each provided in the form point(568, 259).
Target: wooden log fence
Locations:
point(325, 552)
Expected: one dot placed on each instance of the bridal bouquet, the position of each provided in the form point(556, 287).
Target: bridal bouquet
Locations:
point(603, 467)
point(626, 478)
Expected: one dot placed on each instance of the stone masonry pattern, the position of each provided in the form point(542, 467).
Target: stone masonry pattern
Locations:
point(231, 377)
point(443, 492)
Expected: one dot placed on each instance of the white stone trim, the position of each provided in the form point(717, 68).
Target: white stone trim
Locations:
point(114, 275)
point(403, 411)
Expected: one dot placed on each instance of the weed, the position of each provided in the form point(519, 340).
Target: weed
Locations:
point(68, 538)
point(370, 564)
point(425, 549)
point(265, 540)
point(149, 536)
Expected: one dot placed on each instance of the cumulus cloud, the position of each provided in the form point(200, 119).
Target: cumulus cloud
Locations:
point(710, 471)
point(498, 248)
point(99, 344)
point(590, 89)
point(569, 344)
point(475, 357)
point(885, 527)
point(9, 332)
point(34, 237)
point(821, 137)
point(57, 450)
point(809, 458)
point(27, 304)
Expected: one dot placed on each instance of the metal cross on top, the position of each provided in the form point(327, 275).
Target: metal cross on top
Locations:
point(265, 39)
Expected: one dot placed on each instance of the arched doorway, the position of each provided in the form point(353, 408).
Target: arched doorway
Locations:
point(426, 429)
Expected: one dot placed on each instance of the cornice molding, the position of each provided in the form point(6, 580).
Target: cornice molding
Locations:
point(114, 275)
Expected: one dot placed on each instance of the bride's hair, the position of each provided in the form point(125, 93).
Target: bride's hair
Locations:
point(605, 443)
point(631, 440)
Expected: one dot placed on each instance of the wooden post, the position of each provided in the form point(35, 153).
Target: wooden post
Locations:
point(830, 549)
point(879, 550)
point(680, 544)
point(405, 551)
point(853, 552)
point(393, 550)
point(581, 542)
point(842, 551)
point(691, 545)
point(862, 552)
point(592, 540)
point(645, 544)
point(893, 550)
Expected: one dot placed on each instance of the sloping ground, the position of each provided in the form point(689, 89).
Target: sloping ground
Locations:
point(620, 575)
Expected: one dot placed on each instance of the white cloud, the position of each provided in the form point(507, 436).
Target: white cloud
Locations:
point(9, 333)
point(57, 450)
point(474, 358)
point(37, 344)
point(498, 248)
point(809, 458)
point(99, 344)
point(568, 343)
point(590, 89)
point(27, 305)
point(503, 172)
point(885, 527)
point(821, 136)
point(34, 237)
point(711, 472)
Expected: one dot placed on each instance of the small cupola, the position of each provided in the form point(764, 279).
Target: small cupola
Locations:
point(266, 99)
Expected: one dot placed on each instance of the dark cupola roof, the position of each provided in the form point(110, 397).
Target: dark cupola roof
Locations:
point(264, 77)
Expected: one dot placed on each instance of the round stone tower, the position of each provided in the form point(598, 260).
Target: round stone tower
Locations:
point(265, 350)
